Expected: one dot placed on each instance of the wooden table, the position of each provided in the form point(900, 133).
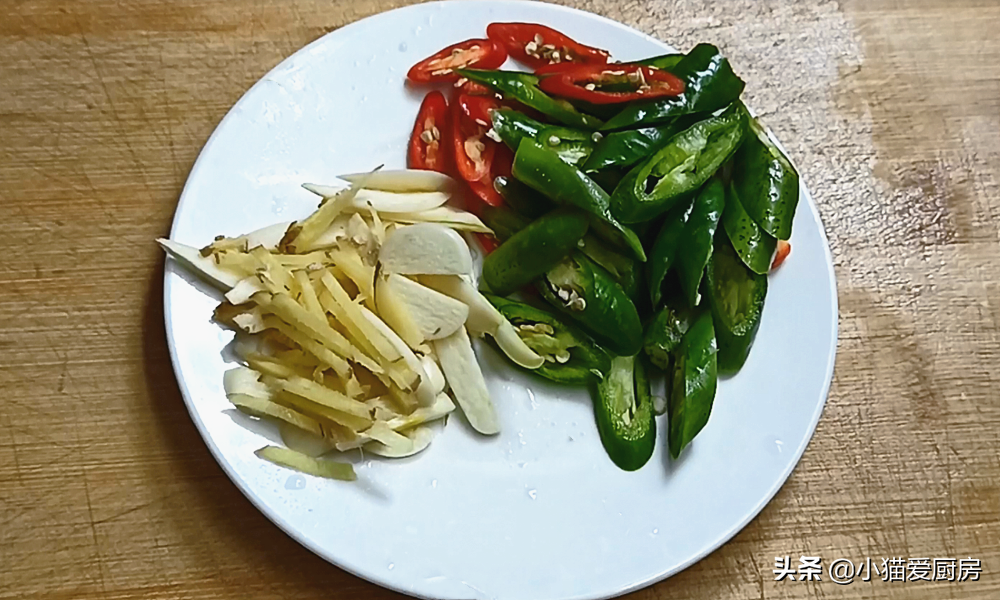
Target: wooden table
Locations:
point(891, 108)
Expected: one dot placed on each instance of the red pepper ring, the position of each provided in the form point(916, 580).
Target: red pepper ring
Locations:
point(555, 68)
point(612, 84)
point(428, 148)
point(440, 66)
point(472, 150)
point(537, 45)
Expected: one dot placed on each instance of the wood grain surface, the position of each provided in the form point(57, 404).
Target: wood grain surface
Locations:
point(891, 108)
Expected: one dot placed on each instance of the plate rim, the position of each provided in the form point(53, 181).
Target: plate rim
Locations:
point(277, 519)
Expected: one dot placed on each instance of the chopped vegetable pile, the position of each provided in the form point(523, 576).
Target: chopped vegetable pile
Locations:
point(636, 211)
point(630, 212)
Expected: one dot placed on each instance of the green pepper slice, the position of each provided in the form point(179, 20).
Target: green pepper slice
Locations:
point(503, 221)
point(696, 241)
point(767, 182)
point(522, 198)
point(523, 87)
point(544, 171)
point(754, 246)
point(688, 160)
point(572, 145)
point(623, 269)
point(571, 357)
point(512, 126)
point(623, 409)
point(693, 385)
point(665, 332)
point(736, 297)
point(709, 84)
point(582, 289)
point(533, 250)
point(623, 149)
point(665, 247)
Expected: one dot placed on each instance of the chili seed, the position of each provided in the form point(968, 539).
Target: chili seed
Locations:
point(590, 87)
point(436, 133)
point(597, 136)
point(427, 137)
point(554, 140)
point(538, 39)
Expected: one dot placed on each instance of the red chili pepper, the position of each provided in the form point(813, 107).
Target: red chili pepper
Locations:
point(428, 149)
point(477, 108)
point(488, 242)
point(440, 67)
point(537, 45)
point(784, 249)
point(474, 88)
point(554, 68)
point(484, 191)
point(602, 84)
point(473, 151)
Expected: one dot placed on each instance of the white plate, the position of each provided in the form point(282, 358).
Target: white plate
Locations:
point(538, 512)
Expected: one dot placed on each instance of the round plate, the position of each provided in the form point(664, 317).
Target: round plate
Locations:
point(538, 512)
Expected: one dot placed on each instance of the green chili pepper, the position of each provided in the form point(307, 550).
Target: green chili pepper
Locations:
point(522, 198)
point(767, 182)
point(709, 84)
point(512, 126)
point(570, 355)
point(696, 241)
point(623, 408)
point(664, 251)
point(503, 221)
point(754, 247)
point(665, 332)
point(533, 250)
point(623, 269)
point(736, 297)
point(625, 148)
point(572, 145)
point(601, 111)
point(542, 170)
point(523, 87)
point(586, 292)
point(688, 160)
point(693, 385)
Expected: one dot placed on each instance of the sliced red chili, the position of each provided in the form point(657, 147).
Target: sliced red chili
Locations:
point(473, 151)
point(537, 45)
point(428, 147)
point(477, 108)
point(610, 84)
point(782, 252)
point(554, 68)
point(484, 191)
point(474, 88)
point(440, 67)
point(488, 242)
point(503, 157)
